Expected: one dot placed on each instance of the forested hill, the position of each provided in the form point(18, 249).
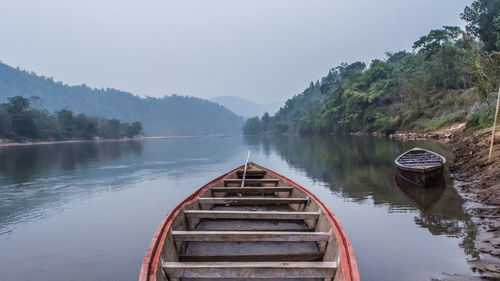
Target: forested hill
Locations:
point(170, 115)
point(447, 77)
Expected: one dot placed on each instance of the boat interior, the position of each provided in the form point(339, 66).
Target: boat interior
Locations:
point(420, 158)
point(268, 229)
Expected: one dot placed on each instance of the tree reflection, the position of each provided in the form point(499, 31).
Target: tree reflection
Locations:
point(362, 167)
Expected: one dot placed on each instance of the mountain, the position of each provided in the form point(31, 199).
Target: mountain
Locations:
point(170, 115)
point(246, 108)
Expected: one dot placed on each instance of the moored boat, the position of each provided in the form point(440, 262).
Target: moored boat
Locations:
point(420, 166)
point(250, 224)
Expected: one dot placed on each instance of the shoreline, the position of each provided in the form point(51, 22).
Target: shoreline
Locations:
point(477, 180)
point(8, 143)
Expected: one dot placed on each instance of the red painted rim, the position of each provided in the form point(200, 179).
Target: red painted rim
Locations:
point(152, 257)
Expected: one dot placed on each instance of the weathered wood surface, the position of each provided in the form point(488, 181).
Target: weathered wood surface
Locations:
point(252, 225)
point(304, 256)
point(265, 227)
point(252, 190)
point(249, 269)
point(251, 201)
point(270, 236)
point(251, 215)
point(417, 157)
point(252, 180)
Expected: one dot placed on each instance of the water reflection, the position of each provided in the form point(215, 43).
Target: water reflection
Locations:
point(98, 204)
point(21, 164)
point(359, 168)
point(36, 180)
point(422, 198)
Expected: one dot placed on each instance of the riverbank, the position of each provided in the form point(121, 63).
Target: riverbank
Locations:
point(477, 179)
point(7, 143)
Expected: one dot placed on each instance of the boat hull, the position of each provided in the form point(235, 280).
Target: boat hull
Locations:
point(162, 247)
point(422, 177)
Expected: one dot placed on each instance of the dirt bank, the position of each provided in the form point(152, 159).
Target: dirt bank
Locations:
point(478, 181)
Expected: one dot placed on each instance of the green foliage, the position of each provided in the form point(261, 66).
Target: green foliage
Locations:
point(19, 121)
point(424, 89)
point(482, 119)
point(481, 115)
point(483, 18)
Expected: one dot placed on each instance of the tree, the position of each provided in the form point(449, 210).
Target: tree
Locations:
point(112, 129)
point(66, 122)
point(134, 129)
point(433, 42)
point(21, 119)
point(483, 21)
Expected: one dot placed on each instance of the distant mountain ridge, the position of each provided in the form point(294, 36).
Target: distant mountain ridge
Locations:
point(246, 108)
point(170, 115)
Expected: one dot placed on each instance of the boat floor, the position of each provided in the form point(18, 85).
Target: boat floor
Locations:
point(231, 249)
point(281, 208)
point(254, 279)
point(227, 248)
point(252, 225)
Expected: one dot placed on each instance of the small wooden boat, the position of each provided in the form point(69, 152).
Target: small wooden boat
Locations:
point(420, 166)
point(271, 229)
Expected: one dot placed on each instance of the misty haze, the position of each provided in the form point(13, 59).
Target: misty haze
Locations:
point(250, 140)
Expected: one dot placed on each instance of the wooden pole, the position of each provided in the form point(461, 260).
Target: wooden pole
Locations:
point(494, 125)
point(245, 170)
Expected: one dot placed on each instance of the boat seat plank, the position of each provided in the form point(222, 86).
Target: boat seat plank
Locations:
point(211, 214)
point(252, 180)
point(304, 256)
point(272, 236)
point(255, 225)
point(252, 174)
point(253, 190)
point(251, 201)
point(255, 248)
point(262, 208)
point(249, 269)
point(256, 279)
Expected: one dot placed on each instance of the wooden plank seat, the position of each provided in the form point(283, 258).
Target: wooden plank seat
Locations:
point(251, 181)
point(255, 225)
point(315, 269)
point(251, 201)
point(253, 189)
point(211, 214)
point(239, 257)
point(252, 174)
point(270, 236)
point(197, 248)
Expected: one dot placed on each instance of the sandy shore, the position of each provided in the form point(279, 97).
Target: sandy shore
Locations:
point(6, 143)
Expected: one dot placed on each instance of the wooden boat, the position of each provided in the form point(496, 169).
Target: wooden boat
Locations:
point(420, 166)
point(272, 229)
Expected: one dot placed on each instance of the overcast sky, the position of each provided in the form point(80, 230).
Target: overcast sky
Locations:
point(262, 50)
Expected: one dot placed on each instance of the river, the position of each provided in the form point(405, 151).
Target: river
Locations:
point(88, 211)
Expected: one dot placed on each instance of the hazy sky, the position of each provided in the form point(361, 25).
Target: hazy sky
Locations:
point(262, 50)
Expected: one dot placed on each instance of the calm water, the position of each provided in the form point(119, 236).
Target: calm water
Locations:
point(88, 211)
